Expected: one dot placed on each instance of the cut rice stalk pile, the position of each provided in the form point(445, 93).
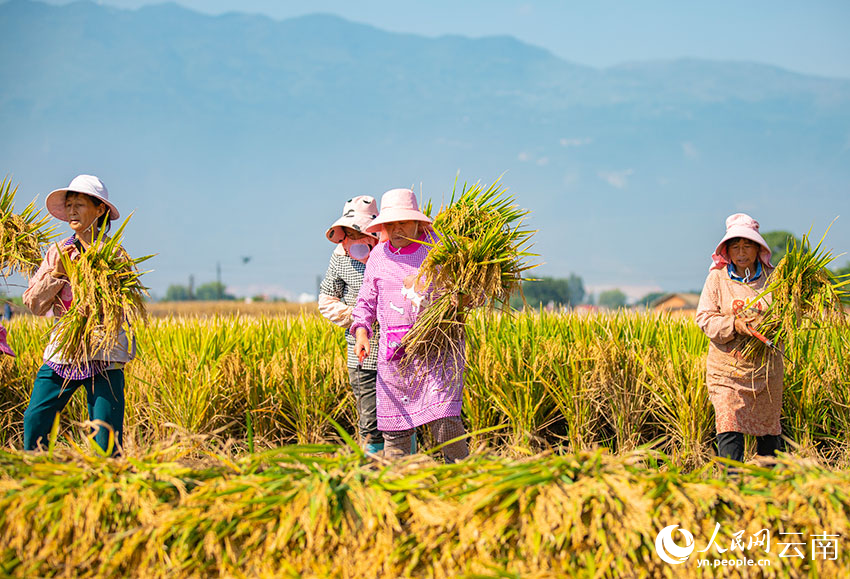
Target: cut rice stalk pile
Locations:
point(805, 294)
point(477, 260)
point(22, 235)
point(107, 292)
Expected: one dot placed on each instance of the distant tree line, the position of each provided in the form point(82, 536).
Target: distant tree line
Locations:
point(206, 292)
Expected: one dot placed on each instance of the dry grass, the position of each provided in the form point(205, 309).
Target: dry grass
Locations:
point(229, 308)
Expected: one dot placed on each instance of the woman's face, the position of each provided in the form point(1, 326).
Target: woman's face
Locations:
point(82, 211)
point(401, 232)
point(743, 254)
point(353, 234)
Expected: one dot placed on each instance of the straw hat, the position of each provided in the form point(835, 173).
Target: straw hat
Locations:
point(85, 184)
point(398, 205)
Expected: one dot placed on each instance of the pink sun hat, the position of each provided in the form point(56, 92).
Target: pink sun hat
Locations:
point(398, 205)
point(4, 345)
point(85, 184)
point(357, 213)
point(740, 225)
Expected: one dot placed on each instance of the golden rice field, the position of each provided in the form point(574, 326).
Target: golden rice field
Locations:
point(591, 435)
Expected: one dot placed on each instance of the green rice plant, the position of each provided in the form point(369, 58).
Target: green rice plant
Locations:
point(107, 292)
point(477, 260)
point(22, 235)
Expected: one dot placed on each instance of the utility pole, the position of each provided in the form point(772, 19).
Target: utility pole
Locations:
point(191, 286)
point(218, 279)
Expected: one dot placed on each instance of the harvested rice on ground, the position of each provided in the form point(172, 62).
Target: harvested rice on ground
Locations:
point(478, 260)
point(22, 235)
point(107, 293)
point(804, 292)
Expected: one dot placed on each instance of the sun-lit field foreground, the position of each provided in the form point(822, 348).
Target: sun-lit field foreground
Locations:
point(570, 417)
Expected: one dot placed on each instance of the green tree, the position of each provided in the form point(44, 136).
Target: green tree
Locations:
point(177, 293)
point(612, 299)
point(212, 291)
point(778, 241)
point(557, 291)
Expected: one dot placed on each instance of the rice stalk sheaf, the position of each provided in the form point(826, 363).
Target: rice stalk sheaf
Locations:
point(477, 260)
point(22, 235)
point(108, 293)
point(319, 510)
point(804, 296)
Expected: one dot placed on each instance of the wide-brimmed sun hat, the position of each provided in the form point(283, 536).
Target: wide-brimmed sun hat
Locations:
point(740, 225)
point(85, 184)
point(357, 214)
point(398, 205)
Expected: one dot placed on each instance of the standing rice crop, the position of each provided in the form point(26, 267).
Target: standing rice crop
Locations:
point(107, 293)
point(477, 260)
point(22, 235)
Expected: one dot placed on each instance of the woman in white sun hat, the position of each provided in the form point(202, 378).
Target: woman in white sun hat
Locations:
point(337, 297)
point(85, 206)
point(746, 393)
point(391, 295)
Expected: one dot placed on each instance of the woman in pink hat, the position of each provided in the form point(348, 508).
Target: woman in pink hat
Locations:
point(391, 296)
point(86, 207)
point(746, 393)
point(337, 297)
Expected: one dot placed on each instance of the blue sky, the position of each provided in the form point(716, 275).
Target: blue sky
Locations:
point(809, 37)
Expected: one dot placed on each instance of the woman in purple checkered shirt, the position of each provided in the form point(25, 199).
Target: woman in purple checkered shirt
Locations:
point(390, 295)
point(85, 206)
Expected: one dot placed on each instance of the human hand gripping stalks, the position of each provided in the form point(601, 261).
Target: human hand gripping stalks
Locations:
point(477, 260)
point(22, 235)
point(804, 294)
point(107, 292)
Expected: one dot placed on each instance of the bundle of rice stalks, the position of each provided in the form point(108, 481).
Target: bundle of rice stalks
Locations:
point(805, 293)
point(107, 292)
point(22, 235)
point(477, 260)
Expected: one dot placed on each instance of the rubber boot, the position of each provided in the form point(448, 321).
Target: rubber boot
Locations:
point(374, 447)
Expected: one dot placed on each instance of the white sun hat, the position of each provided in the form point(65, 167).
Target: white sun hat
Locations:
point(85, 184)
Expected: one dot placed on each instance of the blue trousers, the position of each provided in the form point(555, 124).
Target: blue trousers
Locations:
point(51, 393)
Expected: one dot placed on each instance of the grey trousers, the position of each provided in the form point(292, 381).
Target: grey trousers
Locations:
point(363, 384)
point(397, 442)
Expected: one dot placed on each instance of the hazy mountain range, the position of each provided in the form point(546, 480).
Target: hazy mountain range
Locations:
point(239, 135)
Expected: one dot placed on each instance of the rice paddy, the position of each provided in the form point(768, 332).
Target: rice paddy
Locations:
point(590, 435)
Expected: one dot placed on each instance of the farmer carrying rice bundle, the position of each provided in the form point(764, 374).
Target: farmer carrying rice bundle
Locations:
point(92, 287)
point(746, 391)
point(337, 297)
point(391, 296)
